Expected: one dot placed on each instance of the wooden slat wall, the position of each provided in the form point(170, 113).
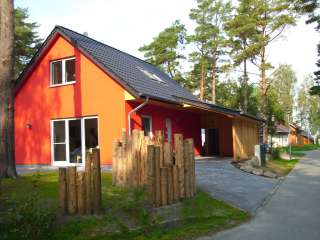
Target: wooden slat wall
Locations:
point(224, 124)
point(245, 135)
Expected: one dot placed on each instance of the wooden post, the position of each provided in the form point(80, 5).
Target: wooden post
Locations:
point(157, 176)
point(175, 179)
point(140, 162)
point(178, 141)
point(120, 156)
point(96, 172)
point(115, 147)
point(167, 154)
point(164, 186)
point(193, 170)
point(81, 192)
point(88, 176)
point(133, 172)
point(127, 162)
point(72, 190)
point(150, 174)
point(187, 166)
point(178, 149)
point(170, 184)
point(144, 147)
point(159, 141)
point(63, 190)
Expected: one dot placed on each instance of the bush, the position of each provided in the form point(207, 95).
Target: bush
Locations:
point(275, 153)
point(29, 219)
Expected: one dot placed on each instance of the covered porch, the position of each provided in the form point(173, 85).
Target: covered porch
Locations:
point(217, 131)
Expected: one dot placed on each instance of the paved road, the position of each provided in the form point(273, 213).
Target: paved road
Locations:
point(229, 184)
point(293, 212)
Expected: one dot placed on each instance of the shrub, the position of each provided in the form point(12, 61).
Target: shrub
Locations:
point(275, 153)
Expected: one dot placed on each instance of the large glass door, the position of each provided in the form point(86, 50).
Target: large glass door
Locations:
point(75, 141)
point(71, 138)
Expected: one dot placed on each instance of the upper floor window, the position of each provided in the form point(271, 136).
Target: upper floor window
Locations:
point(63, 71)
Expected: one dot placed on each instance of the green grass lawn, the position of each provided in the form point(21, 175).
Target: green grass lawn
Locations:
point(127, 214)
point(299, 151)
point(281, 166)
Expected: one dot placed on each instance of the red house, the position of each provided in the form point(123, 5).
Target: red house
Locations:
point(77, 93)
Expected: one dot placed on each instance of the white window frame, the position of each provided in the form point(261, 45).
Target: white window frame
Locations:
point(64, 81)
point(83, 139)
point(150, 120)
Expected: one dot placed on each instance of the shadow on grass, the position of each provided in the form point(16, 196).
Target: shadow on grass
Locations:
point(127, 214)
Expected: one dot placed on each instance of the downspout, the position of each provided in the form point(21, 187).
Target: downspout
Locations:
point(135, 110)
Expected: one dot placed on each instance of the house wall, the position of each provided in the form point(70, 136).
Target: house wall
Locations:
point(93, 94)
point(224, 126)
point(245, 137)
point(186, 123)
point(279, 140)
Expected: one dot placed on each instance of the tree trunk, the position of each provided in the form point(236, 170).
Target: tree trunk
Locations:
point(245, 87)
point(214, 74)
point(202, 81)
point(7, 162)
point(264, 92)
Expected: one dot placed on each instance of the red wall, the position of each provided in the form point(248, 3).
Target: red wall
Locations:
point(183, 122)
point(93, 94)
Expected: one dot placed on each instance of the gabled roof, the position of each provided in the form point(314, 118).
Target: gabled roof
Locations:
point(140, 78)
point(305, 134)
point(282, 129)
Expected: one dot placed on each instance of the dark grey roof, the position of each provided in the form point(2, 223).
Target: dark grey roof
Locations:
point(133, 71)
point(137, 76)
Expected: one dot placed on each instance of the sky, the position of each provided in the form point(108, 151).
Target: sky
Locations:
point(128, 24)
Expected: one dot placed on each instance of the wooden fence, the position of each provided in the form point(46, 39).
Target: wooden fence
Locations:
point(80, 192)
point(168, 175)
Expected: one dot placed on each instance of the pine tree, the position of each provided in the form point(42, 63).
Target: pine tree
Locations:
point(164, 52)
point(27, 41)
point(210, 38)
point(315, 90)
point(240, 28)
point(272, 18)
point(311, 9)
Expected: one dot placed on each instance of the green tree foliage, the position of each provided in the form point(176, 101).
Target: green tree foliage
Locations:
point(164, 52)
point(309, 7)
point(282, 90)
point(308, 106)
point(315, 89)
point(272, 17)
point(210, 39)
point(230, 95)
point(27, 40)
point(240, 28)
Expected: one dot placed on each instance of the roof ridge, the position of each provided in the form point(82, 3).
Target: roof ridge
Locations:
point(130, 55)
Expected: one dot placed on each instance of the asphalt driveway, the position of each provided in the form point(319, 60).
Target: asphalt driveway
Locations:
point(292, 213)
point(227, 183)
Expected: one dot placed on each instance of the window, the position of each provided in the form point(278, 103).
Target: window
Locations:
point(152, 76)
point(63, 71)
point(71, 138)
point(147, 125)
point(59, 141)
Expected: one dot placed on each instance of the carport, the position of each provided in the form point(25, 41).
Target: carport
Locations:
point(226, 132)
